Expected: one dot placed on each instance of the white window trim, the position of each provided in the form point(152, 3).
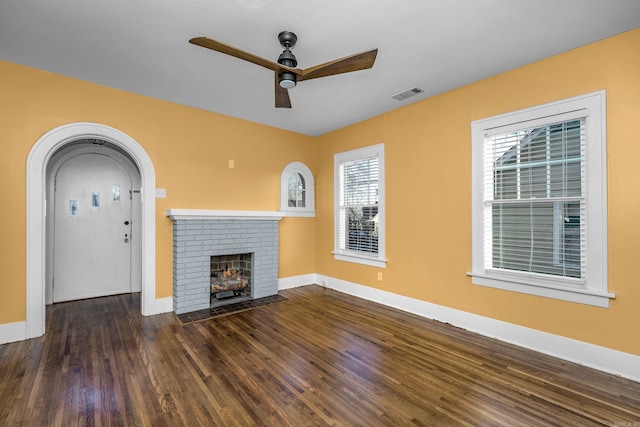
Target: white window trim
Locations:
point(307, 211)
point(379, 259)
point(593, 290)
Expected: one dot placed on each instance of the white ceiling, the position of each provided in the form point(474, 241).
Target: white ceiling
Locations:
point(141, 46)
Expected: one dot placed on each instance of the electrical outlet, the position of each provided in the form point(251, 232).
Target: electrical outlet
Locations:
point(379, 276)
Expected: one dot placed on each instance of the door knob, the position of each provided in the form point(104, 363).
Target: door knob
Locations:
point(126, 223)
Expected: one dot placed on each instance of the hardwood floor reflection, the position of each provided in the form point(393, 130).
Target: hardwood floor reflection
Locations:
point(320, 358)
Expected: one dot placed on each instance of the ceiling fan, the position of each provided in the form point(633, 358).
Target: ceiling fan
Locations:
point(286, 75)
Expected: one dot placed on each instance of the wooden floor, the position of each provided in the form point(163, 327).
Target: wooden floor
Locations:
point(320, 358)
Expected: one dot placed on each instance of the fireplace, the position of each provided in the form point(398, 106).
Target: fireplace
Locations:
point(208, 242)
point(230, 278)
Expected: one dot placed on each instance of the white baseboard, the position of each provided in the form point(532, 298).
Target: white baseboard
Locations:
point(297, 281)
point(164, 305)
point(604, 359)
point(10, 332)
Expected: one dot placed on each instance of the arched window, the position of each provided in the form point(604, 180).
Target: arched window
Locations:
point(297, 190)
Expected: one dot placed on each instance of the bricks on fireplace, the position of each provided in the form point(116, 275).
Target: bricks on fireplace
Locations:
point(196, 240)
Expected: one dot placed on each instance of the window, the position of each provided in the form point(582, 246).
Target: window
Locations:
point(297, 190)
point(539, 201)
point(359, 206)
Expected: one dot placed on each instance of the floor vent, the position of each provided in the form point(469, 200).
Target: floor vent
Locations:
point(407, 93)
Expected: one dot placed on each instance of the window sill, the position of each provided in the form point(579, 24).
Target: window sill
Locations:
point(507, 283)
point(298, 213)
point(361, 259)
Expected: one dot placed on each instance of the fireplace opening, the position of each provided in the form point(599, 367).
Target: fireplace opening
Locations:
point(231, 277)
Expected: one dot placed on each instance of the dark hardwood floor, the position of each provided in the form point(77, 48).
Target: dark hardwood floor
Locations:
point(319, 358)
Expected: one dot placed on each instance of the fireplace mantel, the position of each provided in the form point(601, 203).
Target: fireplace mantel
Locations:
point(186, 214)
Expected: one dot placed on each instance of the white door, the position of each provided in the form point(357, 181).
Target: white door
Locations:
point(92, 228)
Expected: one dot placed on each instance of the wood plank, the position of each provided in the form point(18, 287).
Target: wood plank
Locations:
point(320, 358)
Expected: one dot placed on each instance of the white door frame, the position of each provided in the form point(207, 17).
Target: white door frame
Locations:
point(37, 162)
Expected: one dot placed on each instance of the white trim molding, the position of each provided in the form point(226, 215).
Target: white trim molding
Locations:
point(177, 214)
point(341, 250)
point(37, 161)
point(297, 281)
point(604, 359)
point(309, 209)
point(592, 286)
point(164, 305)
point(11, 332)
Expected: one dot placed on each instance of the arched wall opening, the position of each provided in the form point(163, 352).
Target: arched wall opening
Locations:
point(37, 163)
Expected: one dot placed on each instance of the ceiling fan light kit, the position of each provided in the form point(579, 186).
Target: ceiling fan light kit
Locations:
point(286, 75)
point(287, 80)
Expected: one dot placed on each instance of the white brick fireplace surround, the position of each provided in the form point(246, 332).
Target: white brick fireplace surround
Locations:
point(200, 234)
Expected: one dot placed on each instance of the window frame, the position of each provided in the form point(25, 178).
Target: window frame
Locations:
point(297, 211)
point(375, 260)
point(593, 288)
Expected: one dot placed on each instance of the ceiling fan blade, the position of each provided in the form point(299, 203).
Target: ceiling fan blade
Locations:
point(359, 61)
point(240, 54)
point(282, 96)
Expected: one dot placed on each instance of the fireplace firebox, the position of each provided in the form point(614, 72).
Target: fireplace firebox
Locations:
point(230, 278)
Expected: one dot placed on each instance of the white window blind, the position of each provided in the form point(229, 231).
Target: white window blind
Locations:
point(359, 205)
point(535, 205)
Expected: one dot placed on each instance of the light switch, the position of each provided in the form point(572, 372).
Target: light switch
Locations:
point(161, 193)
point(232, 164)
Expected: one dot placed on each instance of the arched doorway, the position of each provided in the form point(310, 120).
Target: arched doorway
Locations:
point(94, 251)
point(37, 164)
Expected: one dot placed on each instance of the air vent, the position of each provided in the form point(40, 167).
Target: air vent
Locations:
point(407, 94)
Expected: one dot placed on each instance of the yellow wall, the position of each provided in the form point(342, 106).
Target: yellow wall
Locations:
point(428, 187)
point(189, 148)
point(428, 193)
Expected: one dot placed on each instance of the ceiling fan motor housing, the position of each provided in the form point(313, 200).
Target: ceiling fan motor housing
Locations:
point(287, 58)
